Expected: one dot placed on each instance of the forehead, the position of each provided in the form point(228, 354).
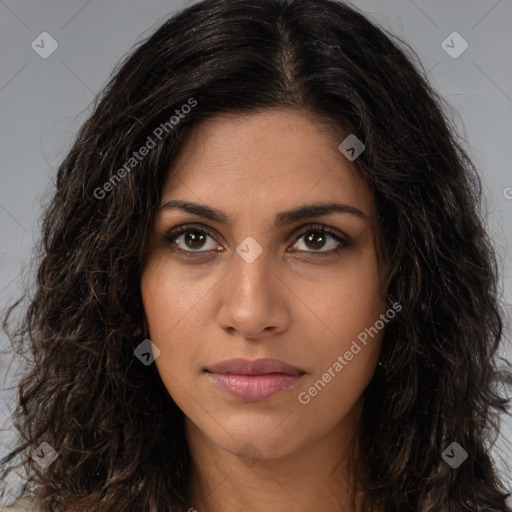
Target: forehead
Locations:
point(268, 159)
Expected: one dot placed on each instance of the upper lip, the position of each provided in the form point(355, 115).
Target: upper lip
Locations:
point(263, 366)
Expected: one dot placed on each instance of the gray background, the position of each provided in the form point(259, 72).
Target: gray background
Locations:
point(44, 101)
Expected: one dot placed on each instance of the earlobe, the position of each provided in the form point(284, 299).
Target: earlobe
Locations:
point(142, 329)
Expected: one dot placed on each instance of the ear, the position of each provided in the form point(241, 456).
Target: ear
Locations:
point(142, 328)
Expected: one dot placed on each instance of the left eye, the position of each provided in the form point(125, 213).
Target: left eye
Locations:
point(194, 238)
point(317, 237)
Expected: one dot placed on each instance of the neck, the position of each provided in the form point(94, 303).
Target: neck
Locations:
point(316, 477)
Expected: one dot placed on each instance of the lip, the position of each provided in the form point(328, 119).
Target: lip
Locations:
point(254, 380)
point(262, 366)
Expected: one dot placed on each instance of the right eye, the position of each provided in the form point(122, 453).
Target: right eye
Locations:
point(192, 238)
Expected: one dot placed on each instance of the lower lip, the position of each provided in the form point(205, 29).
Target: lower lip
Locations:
point(255, 387)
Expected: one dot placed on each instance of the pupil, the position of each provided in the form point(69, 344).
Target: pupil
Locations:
point(194, 238)
point(320, 239)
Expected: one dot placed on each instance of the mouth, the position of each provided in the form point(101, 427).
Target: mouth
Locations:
point(254, 380)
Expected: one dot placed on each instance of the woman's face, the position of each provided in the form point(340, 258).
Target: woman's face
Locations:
point(264, 284)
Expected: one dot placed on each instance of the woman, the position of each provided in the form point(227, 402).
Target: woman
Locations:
point(264, 282)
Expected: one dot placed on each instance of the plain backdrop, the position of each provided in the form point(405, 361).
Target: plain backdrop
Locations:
point(43, 101)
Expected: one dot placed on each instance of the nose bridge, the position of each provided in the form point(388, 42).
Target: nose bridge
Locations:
point(250, 301)
point(251, 266)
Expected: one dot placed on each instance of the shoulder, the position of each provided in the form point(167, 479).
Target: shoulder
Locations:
point(22, 505)
point(25, 505)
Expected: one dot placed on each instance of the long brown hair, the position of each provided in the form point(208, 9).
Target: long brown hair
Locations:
point(118, 434)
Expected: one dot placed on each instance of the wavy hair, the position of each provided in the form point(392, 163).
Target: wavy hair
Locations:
point(119, 435)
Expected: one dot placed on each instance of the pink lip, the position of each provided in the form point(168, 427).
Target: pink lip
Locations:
point(254, 380)
point(255, 387)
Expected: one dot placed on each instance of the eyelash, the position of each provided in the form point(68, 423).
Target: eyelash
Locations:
point(174, 233)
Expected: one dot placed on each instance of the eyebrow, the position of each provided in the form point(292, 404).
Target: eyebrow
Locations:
point(282, 218)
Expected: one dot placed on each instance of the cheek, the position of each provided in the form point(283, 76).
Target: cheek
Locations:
point(167, 310)
point(345, 358)
point(177, 328)
point(349, 308)
point(343, 303)
point(176, 319)
point(171, 294)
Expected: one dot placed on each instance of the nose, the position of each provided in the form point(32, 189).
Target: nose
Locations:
point(254, 300)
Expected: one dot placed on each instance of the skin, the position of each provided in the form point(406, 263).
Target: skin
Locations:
point(288, 304)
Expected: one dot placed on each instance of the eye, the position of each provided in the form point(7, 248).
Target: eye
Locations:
point(317, 237)
point(193, 239)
